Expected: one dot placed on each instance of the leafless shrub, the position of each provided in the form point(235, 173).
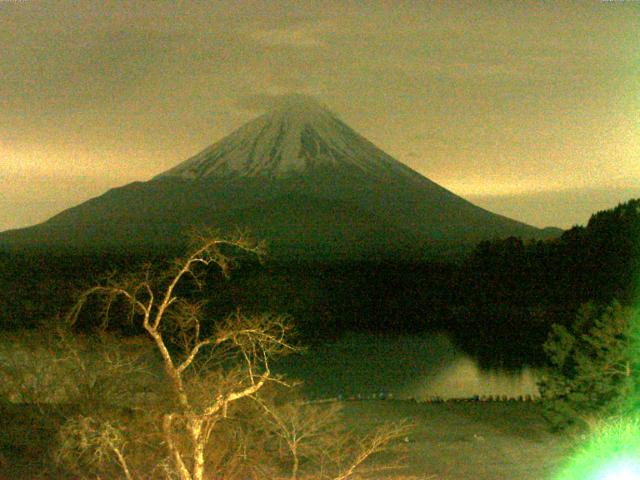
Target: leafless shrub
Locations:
point(51, 365)
point(314, 442)
point(85, 441)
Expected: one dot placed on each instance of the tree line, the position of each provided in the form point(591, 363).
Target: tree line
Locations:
point(498, 301)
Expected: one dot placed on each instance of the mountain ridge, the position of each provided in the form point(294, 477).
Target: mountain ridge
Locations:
point(294, 138)
point(297, 177)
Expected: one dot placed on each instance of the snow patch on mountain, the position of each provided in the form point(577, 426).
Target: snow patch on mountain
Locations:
point(295, 138)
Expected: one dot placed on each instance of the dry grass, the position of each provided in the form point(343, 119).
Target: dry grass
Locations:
point(450, 441)
point(469, 441)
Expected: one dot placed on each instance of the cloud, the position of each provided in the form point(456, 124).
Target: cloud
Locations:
point(562, 207)
point(512, 69)
point(298, 36)
point(258, 102)
point(263, 101)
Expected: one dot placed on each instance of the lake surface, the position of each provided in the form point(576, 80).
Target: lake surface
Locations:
point(426, 367)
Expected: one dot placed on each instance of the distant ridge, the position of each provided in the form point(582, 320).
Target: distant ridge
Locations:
point(297, 177)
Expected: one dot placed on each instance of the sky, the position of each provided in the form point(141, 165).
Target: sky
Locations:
point(530, 109)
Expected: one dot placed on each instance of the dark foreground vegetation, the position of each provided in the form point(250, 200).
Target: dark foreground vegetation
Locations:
point(139, 382)
point(461, 441)
point(498, 301)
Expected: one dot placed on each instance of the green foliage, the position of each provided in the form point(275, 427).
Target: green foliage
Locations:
point(592, 372)
point(610, 452)
point(515, 290)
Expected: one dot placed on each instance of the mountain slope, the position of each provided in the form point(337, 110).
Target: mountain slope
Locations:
point(297, 177)
point(296, 138)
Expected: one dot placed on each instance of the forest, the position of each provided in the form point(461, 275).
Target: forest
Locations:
point(498, 300)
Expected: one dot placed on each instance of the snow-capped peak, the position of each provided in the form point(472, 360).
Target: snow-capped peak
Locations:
point(294, 138)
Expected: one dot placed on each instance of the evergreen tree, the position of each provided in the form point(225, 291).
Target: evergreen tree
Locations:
point(593, 370)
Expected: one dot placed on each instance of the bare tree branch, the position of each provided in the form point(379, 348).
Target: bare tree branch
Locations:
point(216, 368)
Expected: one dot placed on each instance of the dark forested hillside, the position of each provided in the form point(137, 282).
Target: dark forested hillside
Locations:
point(498, 302)
point(515, 290)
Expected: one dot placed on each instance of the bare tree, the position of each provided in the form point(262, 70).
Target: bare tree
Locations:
point(314, 434)
point(170, 319)
point(99, 441)
point(215, 420)
point(50, 365)
point(305, 429)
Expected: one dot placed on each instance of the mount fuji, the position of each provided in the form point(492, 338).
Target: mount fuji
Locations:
point(297, 177)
